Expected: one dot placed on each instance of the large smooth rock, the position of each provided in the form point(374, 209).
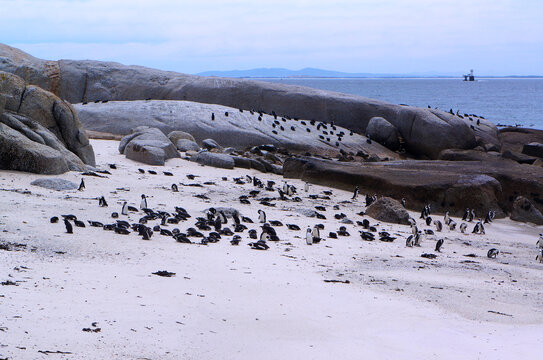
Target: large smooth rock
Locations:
point(55, 184)
point(187, 145)
point(446, 185)
point(214, 159)
point(176, 135)
point(22, 154)
point(39, 127)
point(425, 131)
point(388, 210)
point(148, 145)
point(525, 211)
point(533, 149)
point(514, 138)
point(383, 132)
point(468, 155)
point(239, 129)
point(210, 144)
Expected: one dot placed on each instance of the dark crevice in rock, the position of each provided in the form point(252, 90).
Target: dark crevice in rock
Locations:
point(21, 100)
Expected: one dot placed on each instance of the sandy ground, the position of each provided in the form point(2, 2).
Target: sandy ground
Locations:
point(231, 302)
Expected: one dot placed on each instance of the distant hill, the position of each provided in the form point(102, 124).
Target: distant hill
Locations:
point(286, 73)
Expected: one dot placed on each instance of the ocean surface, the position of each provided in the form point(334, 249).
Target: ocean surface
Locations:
point(507, 101)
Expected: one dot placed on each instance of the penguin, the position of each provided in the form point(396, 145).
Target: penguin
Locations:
point(309, 237)
point(471, 215)
point(492, 253)
point(175, 188)
point(261, 216)
point(539, 242)
point(428, 220)
point(222, 217)
point(124, 209)
point(217, 224)
point(403, 202)
point(355, 193)
point(54, 220)
point(488, 218)
point(463, 227)
point(79, 223)
point(439, 225)
point(69, 228)
point(306, 187)
point(102, 202)
point(143, 203)
point(82, 185)
point(264, 236)
point(466, 214)
point(316, 234)
point(226, 113)
point(410, 241)
point(539, 256)
point(446, 218)
point(439, 244)
point(418, 238)
point(452, 225)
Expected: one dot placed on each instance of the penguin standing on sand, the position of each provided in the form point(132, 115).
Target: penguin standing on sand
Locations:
point(463, 227)
point(309, 237)
point(355, 194)
point(539, 242)
point(102, 202)
point(492, 253)
point(539, 256)
point(316, 234)
point(439, 244)
point(446, 218)
point(82, 185)
point(69, 228)
point(466, 214)
point(124, 209)
point(143, 204)
point(306, 187)
point(175, 188)
point(261, 216)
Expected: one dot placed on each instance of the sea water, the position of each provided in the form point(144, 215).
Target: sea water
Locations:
point(507, 101)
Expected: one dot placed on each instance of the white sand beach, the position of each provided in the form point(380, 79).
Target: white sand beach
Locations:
point(232, 302)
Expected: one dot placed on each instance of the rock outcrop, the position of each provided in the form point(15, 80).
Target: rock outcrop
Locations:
point(446, 185)
point(383, 132)
point(525, 211)
point(148, 145)
point(38, 131)
point(55, 184)
point(228, 126)
point(222, 161)
point(533, 149)
point(426, 131)
point(388, 210)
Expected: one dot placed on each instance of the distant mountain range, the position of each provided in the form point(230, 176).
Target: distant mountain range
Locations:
point(320, 73)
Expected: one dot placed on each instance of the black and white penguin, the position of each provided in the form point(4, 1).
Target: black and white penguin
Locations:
point(69, 227)
point(539, 242)
point(466, 214)
point(439, 244)
point(403, 202)
point(261, 216)
point(175, 188)
point(309, 237)
point(428, 220)
point(355, 193)
point(446, 218)
point(102, 202)
point(143, 203)
point(316, 234)
point(54, 220)
point(539, 256)
point(492, 253)
point(452, 224)
point(410, 241)
point(439, 225)
point(82, 185)
point(463, 228)
point(471, 215)
point(418, 238)
point(124, 209)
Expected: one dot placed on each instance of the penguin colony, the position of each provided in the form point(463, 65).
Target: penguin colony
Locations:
point(217, 224)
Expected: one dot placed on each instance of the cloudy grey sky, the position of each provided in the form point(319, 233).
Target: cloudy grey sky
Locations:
point(494, 37)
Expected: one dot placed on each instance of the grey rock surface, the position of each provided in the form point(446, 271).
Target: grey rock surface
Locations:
point(177, 135)
point(388, 210)
point(238, 130)
point(383, 132)
point(186, 145)
point(222, 161)
point(210, 144)
point(425, 131)
point(55, 184)
point(533, 149)
point(148, 145)
point(525, 211)
point(40, 132)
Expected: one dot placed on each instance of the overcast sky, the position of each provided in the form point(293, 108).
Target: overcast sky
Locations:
point(494, 37)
